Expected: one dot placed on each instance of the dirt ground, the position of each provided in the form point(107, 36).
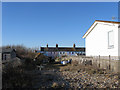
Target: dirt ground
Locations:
point(74, 75)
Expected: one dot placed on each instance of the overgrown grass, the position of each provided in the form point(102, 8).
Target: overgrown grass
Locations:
point(21, 76)
point(16, 77)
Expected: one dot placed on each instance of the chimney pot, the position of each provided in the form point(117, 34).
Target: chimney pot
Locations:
point(47, 45)
point(74, 45)
point(56, 45)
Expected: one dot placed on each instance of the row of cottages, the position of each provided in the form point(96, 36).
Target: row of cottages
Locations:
point(62, 51)
point(7, 54)
point(103, 39)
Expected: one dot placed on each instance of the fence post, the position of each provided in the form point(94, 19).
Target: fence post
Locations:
point(99, 60)
point(109, 62)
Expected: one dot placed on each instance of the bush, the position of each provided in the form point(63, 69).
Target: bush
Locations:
point(41, 59)
point(22, 52)
point(16, 77)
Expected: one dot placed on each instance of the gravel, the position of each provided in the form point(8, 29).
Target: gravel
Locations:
point(83, 79)
point(71, 76)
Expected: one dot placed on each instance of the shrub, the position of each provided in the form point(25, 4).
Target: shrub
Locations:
point(16, 77)
point(22, 52)
point(42, 58)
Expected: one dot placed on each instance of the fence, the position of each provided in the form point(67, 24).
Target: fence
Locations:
point(104, 62)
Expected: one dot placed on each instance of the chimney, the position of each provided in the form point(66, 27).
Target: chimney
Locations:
point(73, 45)
point(56, 45)
point(47, 45)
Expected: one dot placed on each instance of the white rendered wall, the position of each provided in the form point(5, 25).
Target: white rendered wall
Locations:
point(97, 40)
point(58, 54)
point(0, 56)
point(119, 42)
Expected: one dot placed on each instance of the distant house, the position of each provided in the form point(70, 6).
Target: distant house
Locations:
point(62, 51)
point(103, 39)
point(8, 54)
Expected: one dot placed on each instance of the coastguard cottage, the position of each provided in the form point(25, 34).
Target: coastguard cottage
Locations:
point(62, 51)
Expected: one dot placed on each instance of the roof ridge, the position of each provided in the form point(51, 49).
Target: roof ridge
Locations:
point(114, 22)
point(108, 21)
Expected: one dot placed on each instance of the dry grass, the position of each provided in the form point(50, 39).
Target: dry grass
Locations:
point(79, 67)
point(16, 77)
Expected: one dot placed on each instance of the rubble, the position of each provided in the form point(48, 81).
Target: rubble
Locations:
point(74, 76)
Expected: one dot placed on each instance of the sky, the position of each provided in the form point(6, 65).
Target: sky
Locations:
point(34, 24)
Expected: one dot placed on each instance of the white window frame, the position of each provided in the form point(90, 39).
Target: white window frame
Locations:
point(60, 52)
point(112, 45)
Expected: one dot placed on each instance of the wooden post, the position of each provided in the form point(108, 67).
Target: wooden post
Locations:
point(99, 60)
point(109, 62)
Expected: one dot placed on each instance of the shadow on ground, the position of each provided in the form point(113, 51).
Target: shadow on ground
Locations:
point(49, 77)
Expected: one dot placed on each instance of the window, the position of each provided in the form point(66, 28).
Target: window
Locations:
point(2, 56)
point(72, 52)
point(5, 56)
point(110, 39)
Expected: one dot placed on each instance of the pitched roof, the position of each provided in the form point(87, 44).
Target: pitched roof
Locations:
point(53, 49)
point(94, 24)
point(108, 21)
point(7, 50)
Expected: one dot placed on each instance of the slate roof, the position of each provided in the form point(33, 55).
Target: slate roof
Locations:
point(52, 49)
point(9, 50)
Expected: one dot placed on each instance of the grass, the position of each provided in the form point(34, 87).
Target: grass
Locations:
point(17, 77)
point(79, 67)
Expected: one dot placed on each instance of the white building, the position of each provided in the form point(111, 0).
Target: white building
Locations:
point(62, 51)
point(103, 38)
